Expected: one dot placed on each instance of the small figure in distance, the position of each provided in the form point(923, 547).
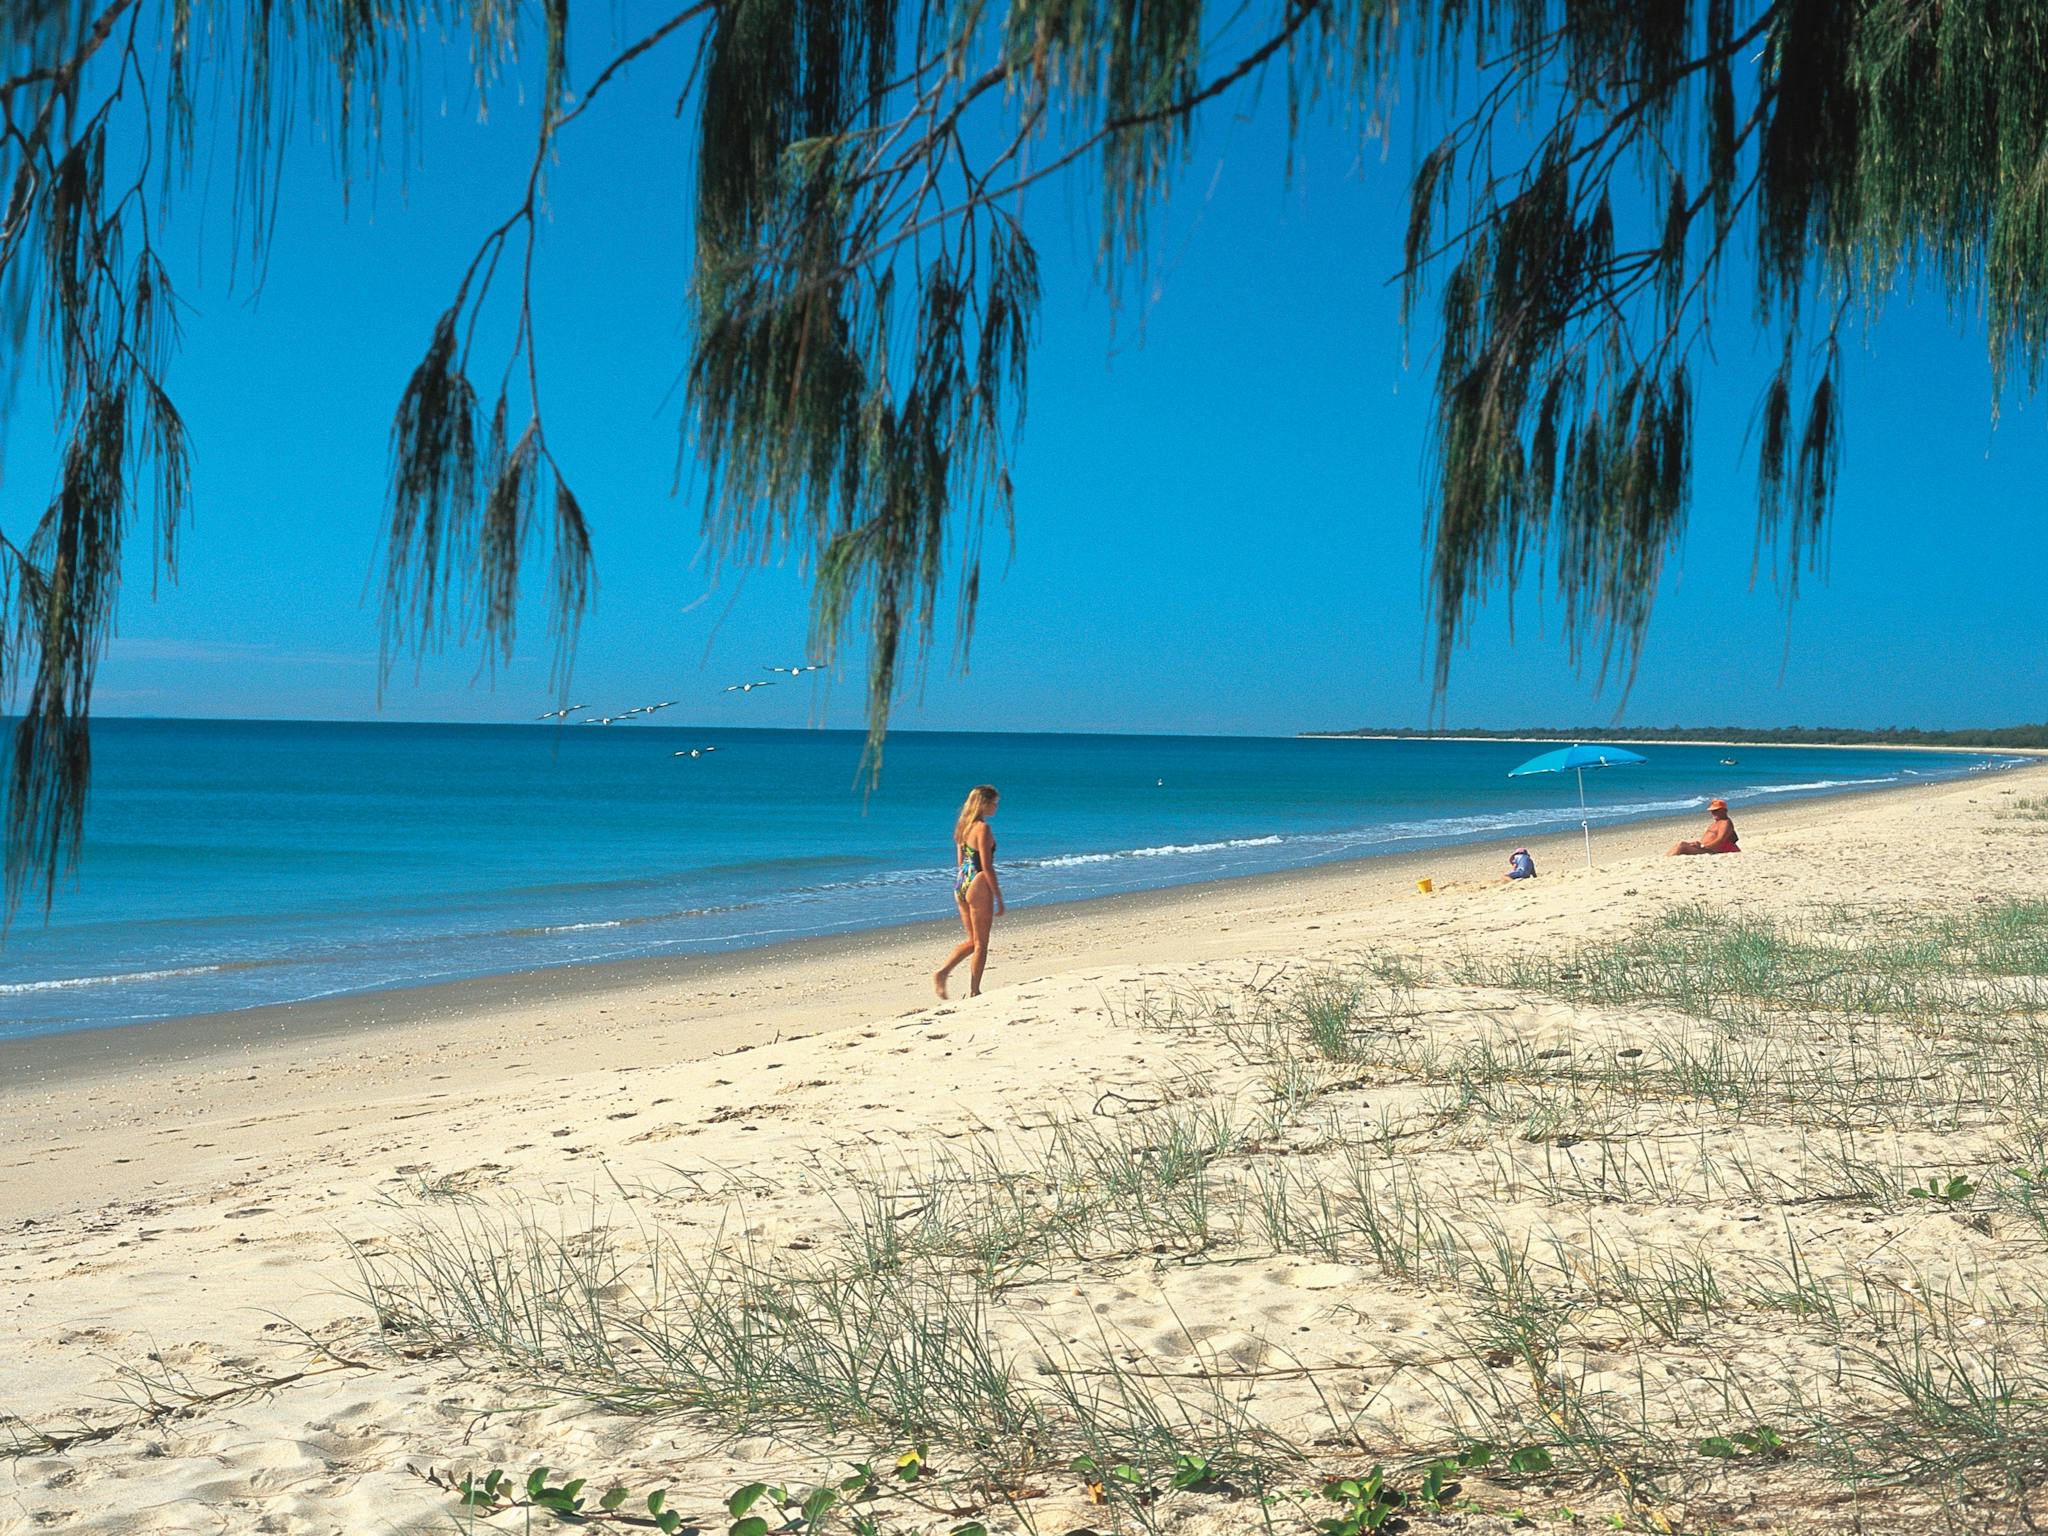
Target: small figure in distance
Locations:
point(1719, 836)
point(975, 890)
point(1520, 866)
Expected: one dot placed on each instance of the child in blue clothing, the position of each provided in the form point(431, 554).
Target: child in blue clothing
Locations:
point(1520, 866)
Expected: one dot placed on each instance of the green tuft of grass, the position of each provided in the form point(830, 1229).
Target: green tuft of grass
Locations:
point(1991, 961)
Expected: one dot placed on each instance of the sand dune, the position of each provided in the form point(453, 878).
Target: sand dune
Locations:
point(1282, 1157)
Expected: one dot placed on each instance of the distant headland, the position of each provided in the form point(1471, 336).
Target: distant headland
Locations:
point(2015, 738)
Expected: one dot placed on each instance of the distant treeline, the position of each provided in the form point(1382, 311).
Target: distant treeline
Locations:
point(1785, 735)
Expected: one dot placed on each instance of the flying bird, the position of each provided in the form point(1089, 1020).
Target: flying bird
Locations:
point(694, 752)
point(747, 687)
point(562, 714)
point(797, 671)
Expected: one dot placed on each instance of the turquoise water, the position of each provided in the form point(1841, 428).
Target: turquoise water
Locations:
point(229, 864)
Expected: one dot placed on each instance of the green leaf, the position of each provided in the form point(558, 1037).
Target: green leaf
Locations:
point(1530, 1459)
point(1718, 1446)
point(1475, 1456)
point(1439, 1482)
point(570, 1490)
point(971, 1528)
point(613, 1499)
point(743, 1499)
point(655, 1500)
point(753, 1525)
point(536, 1480)
point(670, 1522)
point(817, 1502)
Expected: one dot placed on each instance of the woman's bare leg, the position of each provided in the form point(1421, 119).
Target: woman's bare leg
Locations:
point(960, 951)
point(982, 916)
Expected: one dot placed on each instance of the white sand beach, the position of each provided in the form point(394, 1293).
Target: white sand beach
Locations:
point(1286, 1173)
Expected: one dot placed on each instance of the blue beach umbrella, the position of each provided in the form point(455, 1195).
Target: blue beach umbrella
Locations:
point(1577, 758)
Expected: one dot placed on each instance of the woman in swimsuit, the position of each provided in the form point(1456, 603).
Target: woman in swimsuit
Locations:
point(975, 889)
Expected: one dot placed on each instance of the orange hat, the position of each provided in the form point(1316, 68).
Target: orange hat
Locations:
point(1717, 805)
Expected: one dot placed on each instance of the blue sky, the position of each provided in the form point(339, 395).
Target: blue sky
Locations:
point(1219, 489)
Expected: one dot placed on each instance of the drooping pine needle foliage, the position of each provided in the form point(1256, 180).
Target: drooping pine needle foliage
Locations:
point(1595, 185)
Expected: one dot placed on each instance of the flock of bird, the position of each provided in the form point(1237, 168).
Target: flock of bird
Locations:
point(624, 714)
point(627, 716)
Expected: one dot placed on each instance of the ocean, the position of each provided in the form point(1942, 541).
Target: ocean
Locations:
point(229, 864)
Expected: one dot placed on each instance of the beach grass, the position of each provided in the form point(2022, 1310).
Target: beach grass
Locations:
point(1914, 968)
point(1758, 1223)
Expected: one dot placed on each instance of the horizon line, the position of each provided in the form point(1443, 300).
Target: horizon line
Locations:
point(1380, 732)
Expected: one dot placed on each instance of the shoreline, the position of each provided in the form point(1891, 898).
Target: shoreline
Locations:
point(199, 1040)
point(116, 977)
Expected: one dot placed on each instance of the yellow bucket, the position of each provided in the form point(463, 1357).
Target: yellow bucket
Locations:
point(1425, 886)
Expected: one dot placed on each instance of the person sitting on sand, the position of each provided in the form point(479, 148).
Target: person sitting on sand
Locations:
point(975, 890)
point(1719, 836)
point(1520, 866)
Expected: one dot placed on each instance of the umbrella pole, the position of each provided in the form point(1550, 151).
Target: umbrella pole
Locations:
point(1585, 822)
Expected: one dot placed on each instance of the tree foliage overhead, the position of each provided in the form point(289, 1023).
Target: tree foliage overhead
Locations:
point(1594, 185)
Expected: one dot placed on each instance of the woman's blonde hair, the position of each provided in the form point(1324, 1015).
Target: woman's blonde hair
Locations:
point(979, 799)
